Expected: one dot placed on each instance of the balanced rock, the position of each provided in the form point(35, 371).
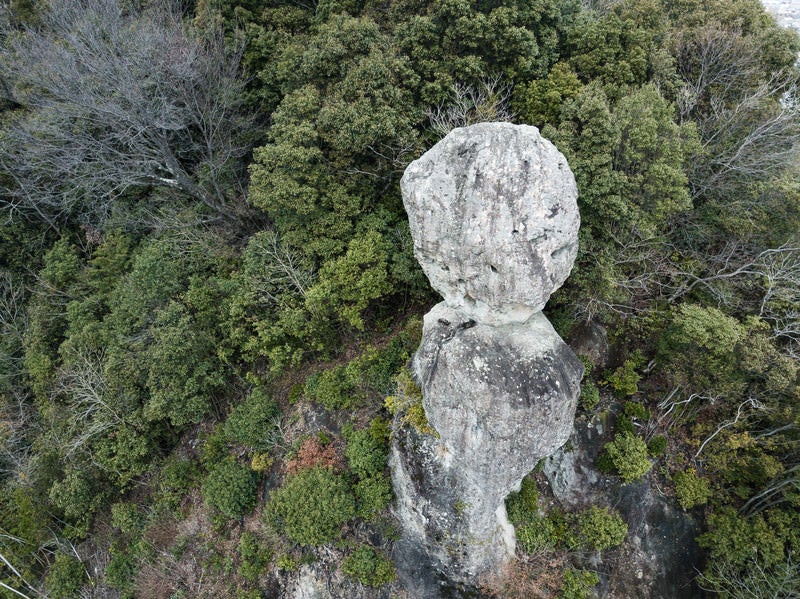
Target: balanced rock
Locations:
point(500, 399)
point(494, 218)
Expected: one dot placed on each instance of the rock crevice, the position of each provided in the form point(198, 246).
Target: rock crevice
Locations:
point(494, 219)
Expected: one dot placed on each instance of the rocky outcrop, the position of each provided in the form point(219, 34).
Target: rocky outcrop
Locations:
point(494, 220)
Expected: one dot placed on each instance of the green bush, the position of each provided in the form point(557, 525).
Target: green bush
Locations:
point(739, 540)
point(524, 504)
point(333, 388)
point(255, 556)
point(690, 489)
point(230, 488)
point(629, 455)
point(369, 567)
point(121, 571)
point(373, 495)
point(625, 380)
point(311, 506)
point(127, 517)
point(537, 533)
point(366, 453)
point(65, 577)
point(590, 396)
point(578, 584)
point(596, 528)
point(174, 481)
point(253, 421)
point(657, 446)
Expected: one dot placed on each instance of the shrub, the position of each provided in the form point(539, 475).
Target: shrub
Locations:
point(590, 396)
point(366, 453)
point(230, 488)
point(127, 517)
point(690, 489)
point(176, 478)
point(657, 446)
point(255, 556)
point(597, 529)
point(407, 404)
point(537, 533)
point(578, 584)
point(625, 380)
point(523, 504)
point(369, 567)
point(311, 506)
point(121, 571)
point(333, 388)
point(253, 422)
point(65, 577)
point(628, 453)
point(373, 495)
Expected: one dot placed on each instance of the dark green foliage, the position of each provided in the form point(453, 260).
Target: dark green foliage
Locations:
point(367, 451)
point(253, 422)
point(255, 556)
point(369, 567)
point(173, 482)
point(373, 495)
point(65, 577)
point(537, 534)
point(369, 376)
point(690, 489)
point(657, 446)
point(230, 488)
point(590, 395)
point(739, 540)
point(628, 454)
point(699, 348)
point(578, 584)
point(181, 389)
point(597, 529)
point(121, 571)
point(311, 506)
point(128, 518)
point(124, 331)
point(624, 380)
point(333, 388)
point(523, 504)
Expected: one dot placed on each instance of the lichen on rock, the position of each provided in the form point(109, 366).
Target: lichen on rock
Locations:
point(494, 219)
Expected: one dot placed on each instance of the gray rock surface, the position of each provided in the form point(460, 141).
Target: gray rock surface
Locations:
point(660, 551)
point(494, 218)
point(500, 398)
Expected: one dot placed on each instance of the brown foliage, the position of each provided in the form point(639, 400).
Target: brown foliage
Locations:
point(312, 453)
point(531, 577)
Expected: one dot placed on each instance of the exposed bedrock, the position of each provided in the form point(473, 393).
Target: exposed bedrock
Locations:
point(494, 220)
point(494, 217)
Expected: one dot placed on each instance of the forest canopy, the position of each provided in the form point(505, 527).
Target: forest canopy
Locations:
point(201, 228)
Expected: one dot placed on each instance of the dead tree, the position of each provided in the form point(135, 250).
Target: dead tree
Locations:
point(111, 99)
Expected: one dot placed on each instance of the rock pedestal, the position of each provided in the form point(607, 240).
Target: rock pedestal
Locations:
point(494, 219)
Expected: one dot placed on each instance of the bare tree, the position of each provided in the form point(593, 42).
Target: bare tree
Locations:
point(469, 104)
point(113, 99)
point(748, 118)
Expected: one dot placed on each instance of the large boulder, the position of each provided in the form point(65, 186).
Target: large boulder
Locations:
point(500, 399)
point(494, 218)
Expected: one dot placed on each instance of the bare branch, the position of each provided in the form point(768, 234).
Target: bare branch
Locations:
point(468, 105)
point(117, 100)
point(751, 402)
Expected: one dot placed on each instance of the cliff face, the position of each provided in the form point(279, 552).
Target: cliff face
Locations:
point(494, 218)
